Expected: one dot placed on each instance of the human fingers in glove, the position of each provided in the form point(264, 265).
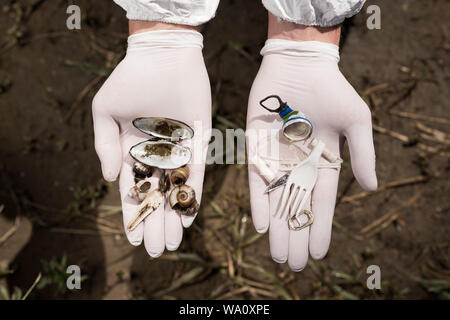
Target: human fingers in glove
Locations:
point(300, 65)
point(162, 75)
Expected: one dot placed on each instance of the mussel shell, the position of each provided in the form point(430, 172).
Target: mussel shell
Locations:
point(161, 154)
point(164, 128)
point(143, 186)
point(297, 129)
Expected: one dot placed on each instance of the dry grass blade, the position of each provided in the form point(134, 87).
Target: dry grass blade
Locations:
point(261, 292)
point(278, 284)
point(407, 140)
point(231, 270)
point(396, 135)
point(415, 116)
point(8, 234)
point(233, 293)
point(393, 184)
point(217, 208)
point(338, 290)
point(217, 292)
point(258, 284)
point(343, 293)
point(382, 222)
point(250, 240)
point(87, 232)
point(376, 88)
point(186, 278)
point(35, 283)
point(433, 134)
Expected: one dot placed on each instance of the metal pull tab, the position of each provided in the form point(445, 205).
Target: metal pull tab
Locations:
point(283, 105)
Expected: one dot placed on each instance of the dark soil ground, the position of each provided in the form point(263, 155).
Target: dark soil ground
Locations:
point(56, 210)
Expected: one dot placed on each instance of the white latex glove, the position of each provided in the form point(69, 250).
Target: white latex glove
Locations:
point(307, 77)
point(162, 75)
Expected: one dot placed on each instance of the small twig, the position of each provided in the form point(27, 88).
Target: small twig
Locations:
point(8, 234)
point(230, 265)
point(416, 116)
point(382, 222)
point(376, 88)
point(383, 226)
point(407, 140)
point(396, 135)
point(433, 134)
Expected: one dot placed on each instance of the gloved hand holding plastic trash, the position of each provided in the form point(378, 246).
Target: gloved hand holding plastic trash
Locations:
point(298, 212)
point(162, 76)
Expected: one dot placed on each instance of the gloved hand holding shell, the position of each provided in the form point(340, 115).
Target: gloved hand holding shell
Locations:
point(162, 152)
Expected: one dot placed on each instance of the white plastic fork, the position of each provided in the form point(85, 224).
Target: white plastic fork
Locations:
point(300, 184)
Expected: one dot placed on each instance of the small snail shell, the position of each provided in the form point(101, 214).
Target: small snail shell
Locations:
point(193, 209)
point(140, 190)
point(138, 178)
point(173, 201)
point(141, 169)
point(182, 196)
point(179, 176)
point(186, 196)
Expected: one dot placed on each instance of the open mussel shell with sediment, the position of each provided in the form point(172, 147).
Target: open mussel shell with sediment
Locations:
point(161, 154)
point(163, 128)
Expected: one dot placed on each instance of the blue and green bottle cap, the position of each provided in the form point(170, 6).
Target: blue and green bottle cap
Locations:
point(296, 127)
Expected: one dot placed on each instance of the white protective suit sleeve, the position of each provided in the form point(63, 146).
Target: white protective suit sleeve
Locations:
point(323, 13)
point(188, 12)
